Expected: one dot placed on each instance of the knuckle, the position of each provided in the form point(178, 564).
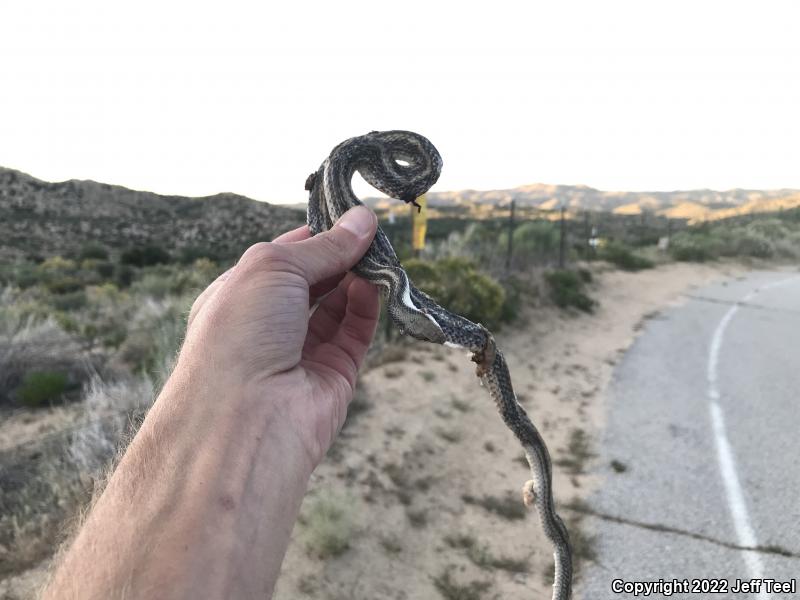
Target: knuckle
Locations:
point(337, 247)
point(267, 256)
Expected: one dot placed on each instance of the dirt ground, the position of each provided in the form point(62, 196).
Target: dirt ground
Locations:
point(420, 497)
point(432, 475)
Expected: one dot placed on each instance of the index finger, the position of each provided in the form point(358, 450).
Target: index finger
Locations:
point(295, 235)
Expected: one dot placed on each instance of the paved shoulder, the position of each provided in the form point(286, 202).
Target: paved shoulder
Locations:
point(702, 431)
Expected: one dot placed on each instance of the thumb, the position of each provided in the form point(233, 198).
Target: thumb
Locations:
point(335, 251)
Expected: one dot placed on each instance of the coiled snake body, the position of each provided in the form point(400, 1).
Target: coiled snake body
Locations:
point(375, 156)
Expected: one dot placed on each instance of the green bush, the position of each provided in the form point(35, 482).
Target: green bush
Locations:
point(622, 256)
point(105, 269)
point(64, 284)
point(690, 247)
point(93, 250)
point(145, 256)
point(190, 254)
point(40, 387)
point(534, 241)
point(458, 286)
point(752, 244)
point(23, 275)
point(123, 275)
point(567, 288)
point(70, 301)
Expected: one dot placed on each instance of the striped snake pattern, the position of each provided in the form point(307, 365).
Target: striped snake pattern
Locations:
point(375, 156)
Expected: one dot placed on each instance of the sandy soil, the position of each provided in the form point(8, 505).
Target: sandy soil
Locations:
point(415, 468)
point(431, 437)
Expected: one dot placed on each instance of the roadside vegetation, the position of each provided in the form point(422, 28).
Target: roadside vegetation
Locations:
point(95, 332)
point(770, 237)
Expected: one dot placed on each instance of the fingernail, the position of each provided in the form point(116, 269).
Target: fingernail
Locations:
point(359, 221)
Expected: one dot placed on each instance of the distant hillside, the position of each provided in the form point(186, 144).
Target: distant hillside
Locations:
point(42, 219)
point(691, 205)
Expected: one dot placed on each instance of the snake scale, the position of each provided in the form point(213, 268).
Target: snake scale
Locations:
point(375, 156)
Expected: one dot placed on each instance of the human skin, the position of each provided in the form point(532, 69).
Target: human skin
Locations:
point(203, 501)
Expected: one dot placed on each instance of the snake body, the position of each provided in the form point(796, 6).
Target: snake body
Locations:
point(375, 156)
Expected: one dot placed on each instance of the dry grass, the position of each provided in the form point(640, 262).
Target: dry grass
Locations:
point(509, 507)
point(47, 482)
point(578, 453)
point(452, 590)
point(481, 556)
point(329, 524)
point(30, 345)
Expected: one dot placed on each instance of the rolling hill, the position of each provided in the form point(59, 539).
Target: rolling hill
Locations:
point(38, 218)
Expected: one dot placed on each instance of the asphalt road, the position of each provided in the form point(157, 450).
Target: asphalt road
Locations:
point(704, 426)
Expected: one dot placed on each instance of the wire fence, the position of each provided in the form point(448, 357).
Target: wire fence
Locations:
point(513, 237)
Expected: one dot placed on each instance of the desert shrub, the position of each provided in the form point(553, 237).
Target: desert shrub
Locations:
point(515, 290)
point(104, 268)
point(57, 264)
point(163, 280)
point(93, 250)
point(70, 301)
point(123, 275)
point(45, 481)
point(17, 273)
point(567, 288)
point(40, 387)
point(30, 345)
point(329, 526)
point(155, 336)
point(773, 229)
point(457, 285)
point(694, 247)
point(64, 284)
point(533, 242)
point(761, 238)
point(622, 256)
point(144, 256)
point(22, 275)
point(788, 247)
point(450, 589)
point(157, 285)
point(751, 244)
point(190, 254)
point(478, 242)
point(109, 410)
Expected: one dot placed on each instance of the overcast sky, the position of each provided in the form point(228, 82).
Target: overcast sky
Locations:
point(196, 98)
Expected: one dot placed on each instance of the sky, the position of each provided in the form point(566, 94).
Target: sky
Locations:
point(202, 97)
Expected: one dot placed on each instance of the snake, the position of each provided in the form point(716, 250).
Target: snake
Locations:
point(404, 165)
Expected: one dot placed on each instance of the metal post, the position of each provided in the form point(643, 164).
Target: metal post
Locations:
point(587, 235)
point(510, 249)
point(562, 241)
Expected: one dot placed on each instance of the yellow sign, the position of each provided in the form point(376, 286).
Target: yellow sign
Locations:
point(419, 223)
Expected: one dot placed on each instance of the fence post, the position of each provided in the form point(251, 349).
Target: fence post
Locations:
point(562, 240)
point(587, 236)
point(510, 249)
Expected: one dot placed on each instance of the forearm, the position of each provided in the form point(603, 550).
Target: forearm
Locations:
point(201, 505)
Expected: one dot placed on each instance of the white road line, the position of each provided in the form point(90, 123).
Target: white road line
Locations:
point(727, 463)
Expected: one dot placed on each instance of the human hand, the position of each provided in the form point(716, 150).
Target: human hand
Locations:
point(253, 329)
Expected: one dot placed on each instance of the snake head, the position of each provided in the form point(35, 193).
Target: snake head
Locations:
point(413, 201)
point(310, 181)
